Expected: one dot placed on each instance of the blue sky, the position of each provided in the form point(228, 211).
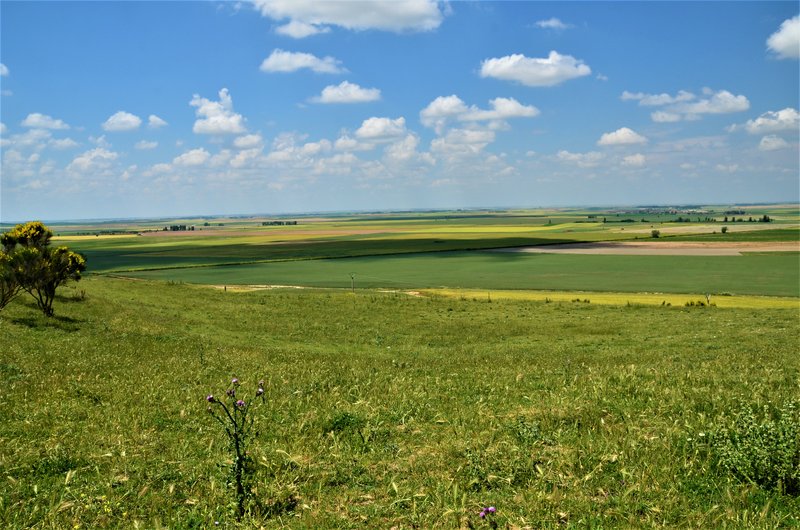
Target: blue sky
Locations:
point(136, 109)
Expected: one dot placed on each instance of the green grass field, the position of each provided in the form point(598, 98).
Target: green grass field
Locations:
point(383, 410)
point(777, 274)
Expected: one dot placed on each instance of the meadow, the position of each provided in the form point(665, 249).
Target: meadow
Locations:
point(566, 391)
point(383, 410)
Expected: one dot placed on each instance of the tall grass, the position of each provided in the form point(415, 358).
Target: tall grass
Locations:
point(383, 410)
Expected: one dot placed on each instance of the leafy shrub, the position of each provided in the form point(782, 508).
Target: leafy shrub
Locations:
point(762, 446)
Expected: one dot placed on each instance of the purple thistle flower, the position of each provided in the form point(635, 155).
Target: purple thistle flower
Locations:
point(491, 509)
point(482, 515)
point(240, 403)
point(235, 381)
point(210, 398)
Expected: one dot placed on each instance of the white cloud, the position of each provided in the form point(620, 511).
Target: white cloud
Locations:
point(245, 157)
point(217, 117)
point(772, 143)
point(122, 121)
point(552, 23)
point(43, 121)
point(300, 30)
point(584, 160)
point(445, 108)
point(303, 15)
point(502, 108)
point(347, 92)
point(440, 110)
point(346, 143)
point(722, 102)
point(381, 128)
point(194, 157)
point(97, 158)
point(3, 128)
point(637, 160)
point(283, 61)
point(462, 142)
point(3, 70)
point(144, 144)
point(787, 119)
point(622, 136)
point(403, 150)
point(248, 141)
point(665, 117)
point(154, 122)
point(654, 100)
point(64, 143)
point(687, 106)
point(727, 168)
point(553, 70)
point(785, 42)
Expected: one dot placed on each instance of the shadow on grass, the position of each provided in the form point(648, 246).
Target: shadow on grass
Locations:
point(63, 323)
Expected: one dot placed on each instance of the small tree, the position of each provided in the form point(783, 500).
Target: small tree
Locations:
point(36, 267)
point(655, 233)
point(724, 229)
point(9, 284)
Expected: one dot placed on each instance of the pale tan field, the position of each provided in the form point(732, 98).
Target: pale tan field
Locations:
point(658, 248)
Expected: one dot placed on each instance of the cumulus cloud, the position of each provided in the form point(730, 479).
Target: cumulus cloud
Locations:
point(248, 141)
point(309, 17)
point(217, 117)
point(283, 61)
point(652, 100)
point(122, 121)
point(154, 122)
point(64, 143)
point(622, 136)
point(550, 71)
point(772, 143)
point(403, 150)
point(300, 30)
point(194, 157)
point(376, 129)
point(584, 160)
point(43, 121)
point(637, 160)
point(462, 142)
point(785, 43)
point(346, 143)
point(552, 23)
point(787, 119)
point(347, 92)
point(144, 145)
point(688, 106)
point(97, 158)
point(3, 70)
point(445, 108)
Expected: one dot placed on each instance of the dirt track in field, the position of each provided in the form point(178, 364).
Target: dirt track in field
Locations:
point(657, 248)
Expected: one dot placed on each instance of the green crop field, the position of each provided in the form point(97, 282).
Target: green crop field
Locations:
point(384, 410)
point(772, 274)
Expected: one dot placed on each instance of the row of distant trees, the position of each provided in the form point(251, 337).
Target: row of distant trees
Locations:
point(29, 264)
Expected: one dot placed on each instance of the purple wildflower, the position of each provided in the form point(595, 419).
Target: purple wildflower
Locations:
point(235, 381)
point(240, 403)
point(482, 514)
point(491, 509)
point(210, 398)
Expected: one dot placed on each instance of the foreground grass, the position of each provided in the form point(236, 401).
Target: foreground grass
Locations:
point(619, 299)
point(384, 410)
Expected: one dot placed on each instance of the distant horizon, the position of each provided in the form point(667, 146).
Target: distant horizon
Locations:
point(311, 214)
point(116, 110)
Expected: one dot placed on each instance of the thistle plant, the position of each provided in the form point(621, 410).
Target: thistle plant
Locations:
point(234, 413)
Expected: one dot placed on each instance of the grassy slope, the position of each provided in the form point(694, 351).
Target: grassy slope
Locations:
point(777, 274)
point(557, 414)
